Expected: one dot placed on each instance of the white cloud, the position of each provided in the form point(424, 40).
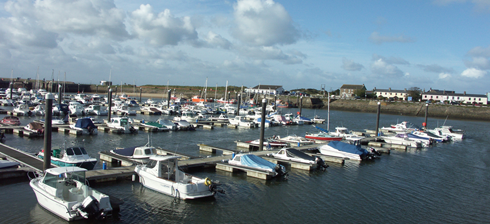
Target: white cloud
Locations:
point(381, 67)
point(379, 39)
point(479, 63)
point(444, 75)
point(350, 65)
point(162, 29)
point(473, 73)
point(263, 23)
point(391, 60)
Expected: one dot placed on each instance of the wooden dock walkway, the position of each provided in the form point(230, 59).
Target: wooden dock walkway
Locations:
point(22, 157)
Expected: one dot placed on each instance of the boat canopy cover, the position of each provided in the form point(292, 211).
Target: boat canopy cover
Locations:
point(298, 154)
point(257, 162)
point(35, 126)
point(85, 123)
point(346, 147)
point(321, 129)
point(124, 152)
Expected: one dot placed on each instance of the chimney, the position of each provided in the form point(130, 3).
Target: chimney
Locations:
point(444, 92)
point(390, 88)
point(374, 89)
point(464, 93)
point(405, 89)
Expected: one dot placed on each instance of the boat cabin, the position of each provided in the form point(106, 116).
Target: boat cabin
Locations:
point(165, 167)
point(55, 178)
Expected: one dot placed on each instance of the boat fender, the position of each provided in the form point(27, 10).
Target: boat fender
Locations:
point(207, 181)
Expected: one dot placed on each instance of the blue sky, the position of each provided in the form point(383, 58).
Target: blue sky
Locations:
point(439, 44)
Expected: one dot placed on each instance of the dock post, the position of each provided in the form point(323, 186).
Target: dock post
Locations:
point(110, 106)
point(238, 104)
point(262, 125)
point(10, 87)
point(168, 98)
point(47, 131)
point(377, 119)
point(426, 115)
point(141, 89)
point(300, 105)
point(59, 96)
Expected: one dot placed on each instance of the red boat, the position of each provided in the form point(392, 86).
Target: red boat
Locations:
point(10, 120)
point(323, 137)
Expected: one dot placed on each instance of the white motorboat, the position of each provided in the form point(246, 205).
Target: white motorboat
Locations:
point(346, 134)
point(400, 139)
point(139, 154)
point(429, 135)
point(95, 109)
point(255, 162)
point(454, 133)
point(162, 174)
point(76, 108)
point(239, 121)
point(295, 155)
point(221, 118)
point(294, 139)
point(404, 126)
point(346, 150)
point(85, 125)
point(121, 124)
point(72, 156)
point(22, 109)
point(63, 192)
point(190, 117)
point(39, 110)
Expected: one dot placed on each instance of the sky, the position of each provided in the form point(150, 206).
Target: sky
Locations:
point(438, 44)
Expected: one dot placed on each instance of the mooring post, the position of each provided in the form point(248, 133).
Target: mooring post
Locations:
point(300, 105)
point(426, 115)
point(168, 98)
point(377, 119)
point(10, 87)
point(262, 125)
point(141, 90)
point(110, 106)
point(47, 131)
point(238, 104)
point(60, 97)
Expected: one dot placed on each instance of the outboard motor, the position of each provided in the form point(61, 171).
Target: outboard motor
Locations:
point(89, 208)
point(373, 150)
point(281, 170)
point(320, 163)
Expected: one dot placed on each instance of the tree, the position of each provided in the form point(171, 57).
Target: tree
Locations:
point(415, 93)
point(360, 92)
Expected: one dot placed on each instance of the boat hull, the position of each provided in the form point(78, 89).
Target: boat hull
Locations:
point(53, 204)
point(323, 138)
point(89, 165)
point(185, 191)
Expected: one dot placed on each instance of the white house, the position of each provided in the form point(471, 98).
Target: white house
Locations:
point(266, 89)
point(437, 95)
point(391, 93)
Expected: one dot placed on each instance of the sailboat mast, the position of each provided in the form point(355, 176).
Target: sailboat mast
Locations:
point(226, 90)
point(328, 116)
point(206, 90)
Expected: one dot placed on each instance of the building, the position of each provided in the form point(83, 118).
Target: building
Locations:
point(441, 96)
point(347, 90)
point(391, 93)
point(266, 89)
point(105, 83)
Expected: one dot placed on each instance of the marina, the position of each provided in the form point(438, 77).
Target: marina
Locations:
point(207, 150)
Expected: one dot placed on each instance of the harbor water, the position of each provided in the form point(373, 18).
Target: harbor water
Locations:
point(445, 183)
